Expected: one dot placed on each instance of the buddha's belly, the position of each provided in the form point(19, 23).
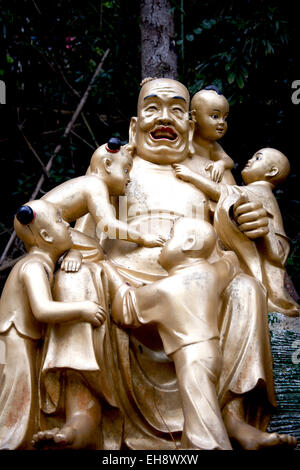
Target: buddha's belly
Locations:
point(155, 198)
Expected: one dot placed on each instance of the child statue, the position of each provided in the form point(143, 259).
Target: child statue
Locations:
point(209, 111)
point(26, 305)
point(184, 306)
point(265, 260)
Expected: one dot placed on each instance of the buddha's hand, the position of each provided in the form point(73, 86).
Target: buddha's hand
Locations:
point(72, 261)
point(93, 313)
point(216, 170)
point(151, 241)
point(182, 172)
point(251, 218)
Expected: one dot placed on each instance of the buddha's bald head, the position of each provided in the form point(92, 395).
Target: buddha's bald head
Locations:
point(150, 86)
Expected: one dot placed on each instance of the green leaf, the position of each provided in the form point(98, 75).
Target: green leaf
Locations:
point(190, 37)
point(240, 81)
point(198, 30)
point(244, 72)
point(206, 24)
point(231, 77)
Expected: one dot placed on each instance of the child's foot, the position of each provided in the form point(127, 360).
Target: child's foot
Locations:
point(78, 433)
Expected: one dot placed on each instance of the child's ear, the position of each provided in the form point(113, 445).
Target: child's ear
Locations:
point(272, 172)
point(191, 243)
point(45, 236)
point(191, 135)
point(193, 115)
point(107, 165)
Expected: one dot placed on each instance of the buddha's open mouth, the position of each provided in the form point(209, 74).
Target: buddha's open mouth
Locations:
point(163, 133)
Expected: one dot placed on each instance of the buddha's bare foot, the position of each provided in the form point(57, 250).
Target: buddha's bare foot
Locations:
point(44, 438)
point(250, 438)
point(78, 433)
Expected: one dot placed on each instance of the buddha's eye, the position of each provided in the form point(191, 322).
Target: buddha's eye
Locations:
point(177, 109)
point(152, 108)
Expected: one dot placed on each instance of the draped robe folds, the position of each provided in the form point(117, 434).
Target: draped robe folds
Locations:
point(265, 264)
point(144, 383)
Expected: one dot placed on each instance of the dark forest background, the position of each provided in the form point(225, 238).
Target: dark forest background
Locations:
point(50, 51)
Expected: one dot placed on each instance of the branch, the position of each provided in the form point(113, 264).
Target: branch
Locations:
point(46, 173)
point(86, 94)
point(89, 129)
point(58, 147)
point(82, 140)
point(64, 78)
point(11, 263)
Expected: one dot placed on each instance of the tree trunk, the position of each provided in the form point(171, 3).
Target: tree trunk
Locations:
point(159, 58)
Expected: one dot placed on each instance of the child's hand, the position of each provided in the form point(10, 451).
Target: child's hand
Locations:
point(93, 313)
point(72, 262)
point(216, 170)
point(182, 172)
point(151, 241)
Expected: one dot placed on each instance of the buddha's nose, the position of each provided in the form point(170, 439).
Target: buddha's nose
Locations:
point(164, 118)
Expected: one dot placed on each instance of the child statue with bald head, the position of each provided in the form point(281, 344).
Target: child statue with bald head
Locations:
point(26, 305)
point(209, 111)
point(265, 170)
point(185, 306)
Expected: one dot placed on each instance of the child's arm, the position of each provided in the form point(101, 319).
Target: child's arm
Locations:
point(221, 160)
point(72, 261)
point(103, 213)
point(46, 310)
point(216, 170)
point(219, 154)
point(210, 188)
point(89, 193)
point(227, 268)
point(122, 309)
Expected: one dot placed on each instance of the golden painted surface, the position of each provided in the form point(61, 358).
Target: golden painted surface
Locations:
point(154, 333)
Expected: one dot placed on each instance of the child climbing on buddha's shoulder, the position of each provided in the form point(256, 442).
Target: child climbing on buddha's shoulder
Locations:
point(209, 111)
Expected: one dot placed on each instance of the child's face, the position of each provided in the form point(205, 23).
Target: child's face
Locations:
point(211, 116)
point(118, 177)
point(258, 165)
point(59, 229)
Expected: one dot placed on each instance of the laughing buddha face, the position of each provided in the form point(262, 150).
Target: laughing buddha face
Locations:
point(162, 132)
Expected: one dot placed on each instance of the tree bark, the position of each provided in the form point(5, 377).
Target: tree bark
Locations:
point(159, 58)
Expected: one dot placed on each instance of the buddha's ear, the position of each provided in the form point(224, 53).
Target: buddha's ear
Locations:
point(132, 131)
point(191, 135)
point(272, 172)
point(45, 236)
